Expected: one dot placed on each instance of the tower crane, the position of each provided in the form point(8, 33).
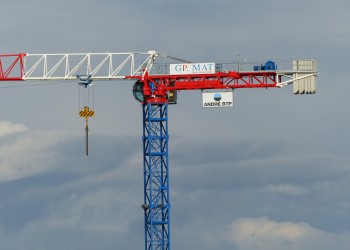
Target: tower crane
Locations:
point(156, 86)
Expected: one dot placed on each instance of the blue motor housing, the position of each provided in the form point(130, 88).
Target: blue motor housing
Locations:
point(269, 65)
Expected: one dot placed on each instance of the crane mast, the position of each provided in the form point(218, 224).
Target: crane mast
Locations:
point(154, 89)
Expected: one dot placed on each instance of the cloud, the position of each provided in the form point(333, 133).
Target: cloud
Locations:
point(93, 203)
point(8, 128)
point(93, 211)
point(89, 212)
point(28, 154)
point(265, 234)
point(287, 189)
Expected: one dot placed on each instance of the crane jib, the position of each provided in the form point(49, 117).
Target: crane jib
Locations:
point(141, 65)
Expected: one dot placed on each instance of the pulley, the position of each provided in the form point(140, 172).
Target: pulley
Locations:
point(85, 80)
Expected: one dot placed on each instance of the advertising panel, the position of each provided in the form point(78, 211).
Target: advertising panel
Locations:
point(217, 99)
point(192, 68)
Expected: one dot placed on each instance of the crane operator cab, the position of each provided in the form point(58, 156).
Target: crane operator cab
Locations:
point(138, 92)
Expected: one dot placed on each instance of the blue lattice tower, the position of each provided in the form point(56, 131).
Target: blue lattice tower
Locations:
point(156, 176)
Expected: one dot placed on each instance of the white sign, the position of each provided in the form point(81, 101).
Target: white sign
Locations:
point(217, 99)
point(192, 68)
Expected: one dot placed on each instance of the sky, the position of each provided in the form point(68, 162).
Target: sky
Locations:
point(272, 172)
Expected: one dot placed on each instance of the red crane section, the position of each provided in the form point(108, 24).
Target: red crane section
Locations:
point(12, 67)
point(157, 87)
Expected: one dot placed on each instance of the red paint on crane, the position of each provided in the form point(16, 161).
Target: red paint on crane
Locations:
point(12, 67)
point(157, 86)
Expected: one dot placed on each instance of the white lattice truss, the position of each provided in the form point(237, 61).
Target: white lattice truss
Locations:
point(100, 66)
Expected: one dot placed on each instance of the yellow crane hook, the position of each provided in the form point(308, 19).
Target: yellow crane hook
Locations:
point(87, 112)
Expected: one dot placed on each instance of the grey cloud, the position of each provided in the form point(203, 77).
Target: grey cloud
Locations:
point(263, 233)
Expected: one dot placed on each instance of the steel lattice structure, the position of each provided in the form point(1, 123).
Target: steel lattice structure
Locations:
point(152, 89)
point(156, 176)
